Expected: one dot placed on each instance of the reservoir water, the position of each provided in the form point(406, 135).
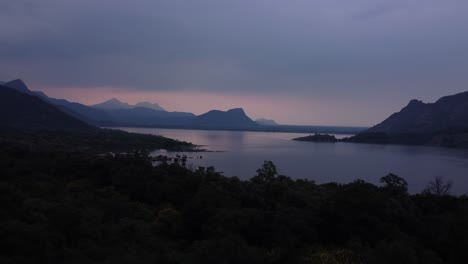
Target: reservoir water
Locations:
point(241, 153)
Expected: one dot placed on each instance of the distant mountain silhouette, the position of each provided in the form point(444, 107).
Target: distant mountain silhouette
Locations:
point(23, 111)
point(115, 103)
point(235, 118)
point(18, 85)
point(112, 104)
point(80, 111)
point(266, 122)
point(77, 110)
point(443, 123)
point(142, 116)
point(447, 113)
point(150, 114)
point(150, 105)
point(116, 113)
point(123, 114)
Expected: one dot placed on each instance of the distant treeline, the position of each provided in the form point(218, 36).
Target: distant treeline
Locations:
point(60, 206)
point(92, 141)
point(447, 139)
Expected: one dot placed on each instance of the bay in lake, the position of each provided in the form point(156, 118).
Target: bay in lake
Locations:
point(241, 153)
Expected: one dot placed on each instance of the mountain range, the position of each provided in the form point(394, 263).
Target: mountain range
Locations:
point(114, 103)
point(114, 113)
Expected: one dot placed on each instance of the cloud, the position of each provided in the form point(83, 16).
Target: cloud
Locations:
point(312, 49)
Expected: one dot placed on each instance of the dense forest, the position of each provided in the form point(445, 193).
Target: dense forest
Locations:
point(73, 205)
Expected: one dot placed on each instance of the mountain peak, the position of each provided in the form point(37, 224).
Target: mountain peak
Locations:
point(232, 118)
point(415, 102)
point(150, 105)
point(447, 114)
point(18, 85)
point(114, 100)
point(236, 110)
point(113, 103)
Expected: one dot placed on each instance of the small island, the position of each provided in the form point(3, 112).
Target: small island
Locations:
point(318, 138)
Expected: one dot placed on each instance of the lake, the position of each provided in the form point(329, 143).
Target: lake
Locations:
point(241, 153)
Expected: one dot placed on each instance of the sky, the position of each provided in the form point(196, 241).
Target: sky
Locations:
point(311, 62)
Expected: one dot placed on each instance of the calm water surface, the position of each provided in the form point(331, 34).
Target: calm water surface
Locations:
point(242, 153)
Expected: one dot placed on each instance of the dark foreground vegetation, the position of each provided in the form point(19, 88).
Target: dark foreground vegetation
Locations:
point(75, 206)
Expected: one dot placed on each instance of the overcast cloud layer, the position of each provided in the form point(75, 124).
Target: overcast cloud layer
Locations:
point(362, 50)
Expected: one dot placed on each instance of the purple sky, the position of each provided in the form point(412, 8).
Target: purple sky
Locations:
point(330, 62)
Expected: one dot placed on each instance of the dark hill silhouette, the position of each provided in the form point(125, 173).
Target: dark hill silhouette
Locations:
point(416, 117)
point(456, 109)
point(77, 110)
point(443, 123)
point(448, 113)
point(18, 85)
point(235, 118)
point(20, 110)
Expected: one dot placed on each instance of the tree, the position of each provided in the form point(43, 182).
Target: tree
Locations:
point(266, 173)
point(439, 187)
point(394, 182)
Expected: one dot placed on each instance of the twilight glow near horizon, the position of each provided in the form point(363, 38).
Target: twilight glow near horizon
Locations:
point(324, 62)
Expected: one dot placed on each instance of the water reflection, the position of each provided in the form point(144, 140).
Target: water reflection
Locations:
point(243, 153)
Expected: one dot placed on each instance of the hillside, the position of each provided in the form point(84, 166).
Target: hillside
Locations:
point(18, 85)
point(19, 110)
point(443, 123)
point(447, 113)
point(77, 110)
